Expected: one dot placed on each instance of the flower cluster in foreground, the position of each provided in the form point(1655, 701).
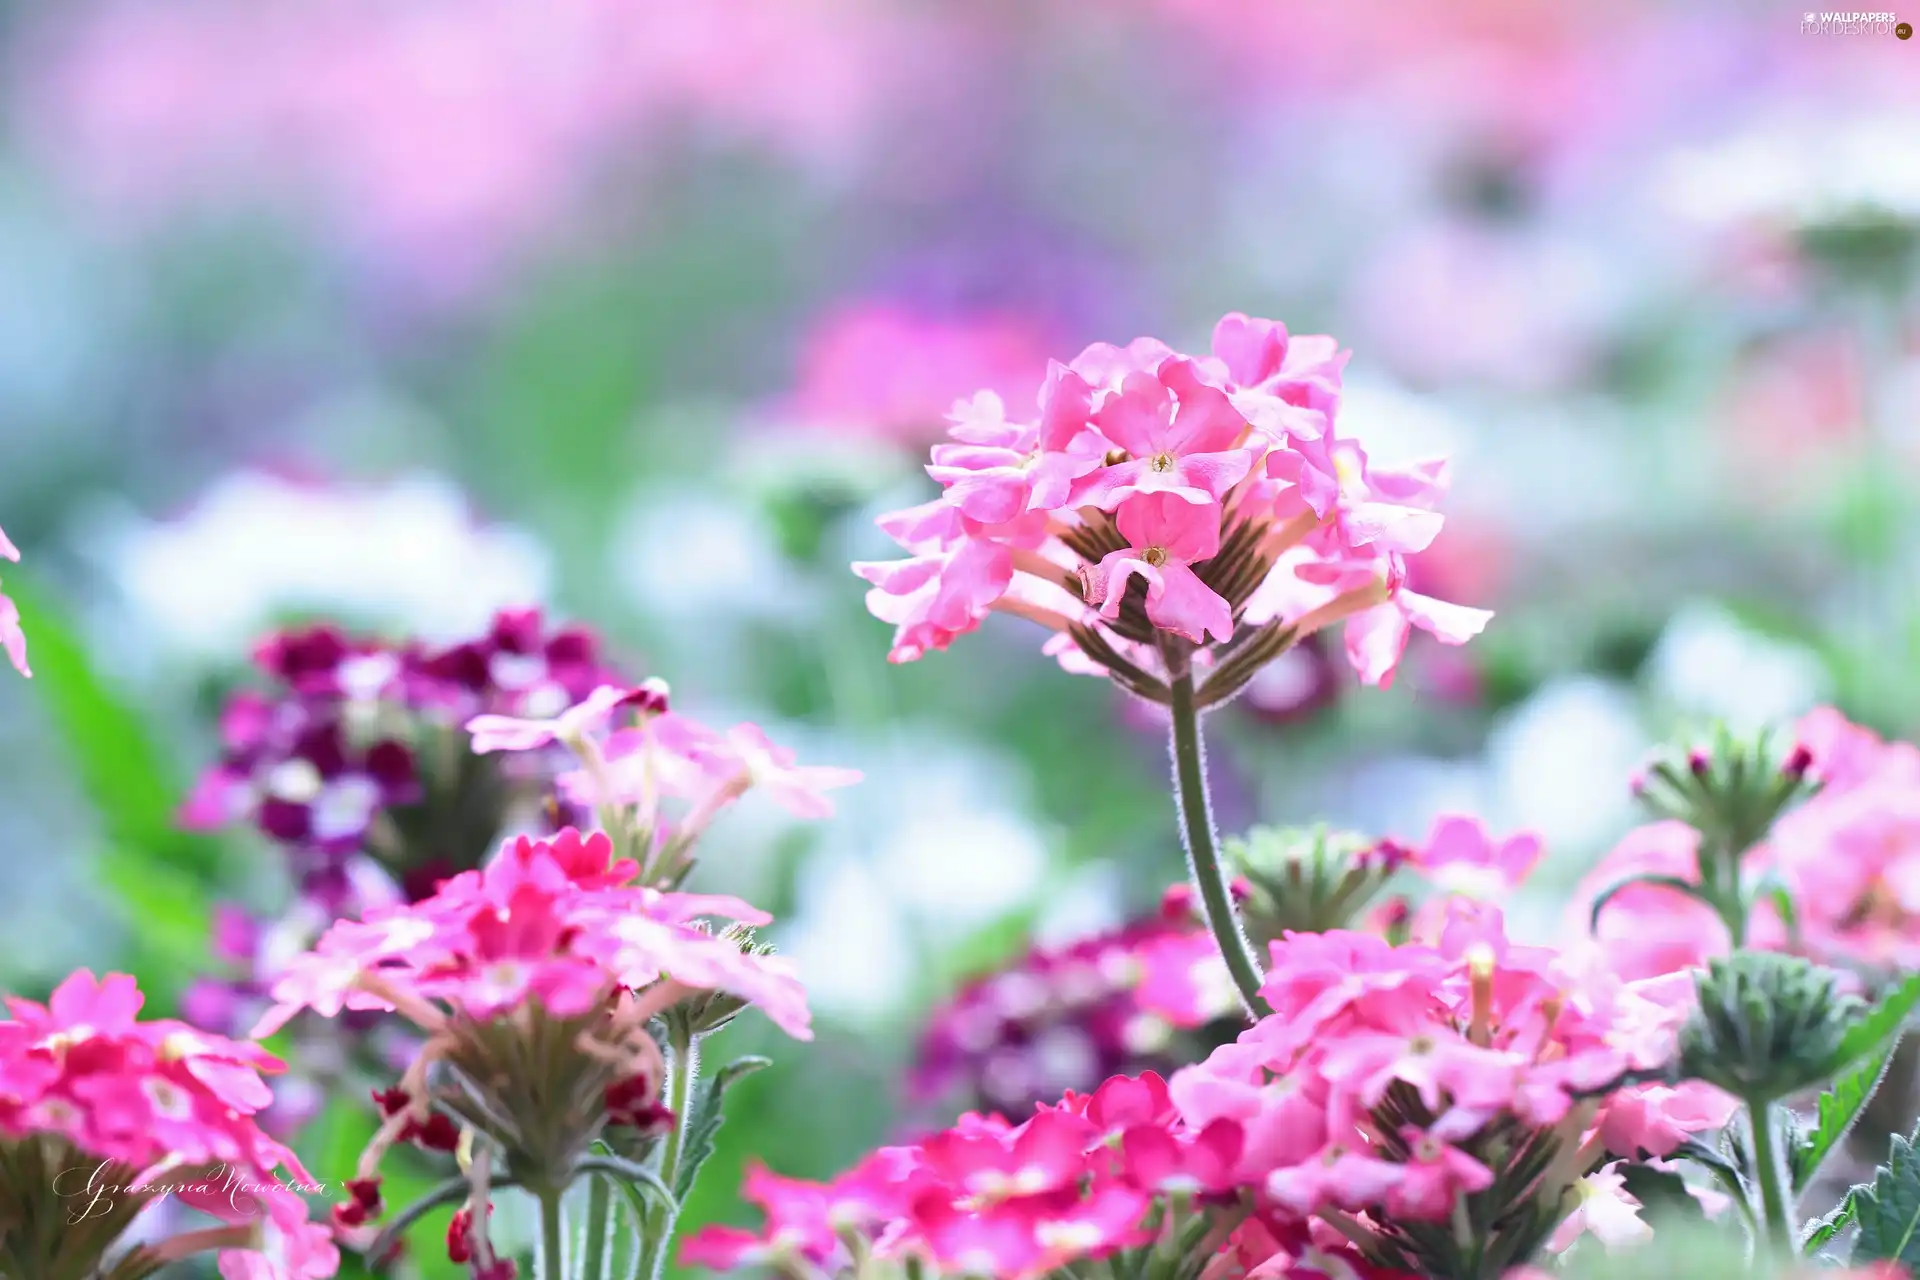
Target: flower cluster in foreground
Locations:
point(533, 981)
point(101, 1115)
point(1396, 1098)
point(1163, 503)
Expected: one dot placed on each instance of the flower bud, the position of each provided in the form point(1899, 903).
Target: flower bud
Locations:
point(1308, 879)
point(1768, 1025)
point(1731, 791)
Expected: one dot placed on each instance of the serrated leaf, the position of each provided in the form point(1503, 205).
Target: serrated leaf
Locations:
point(1663, 1196)
point(1880, 1024)
point(696, 1144)
point(1674, 883)
point(1837, 1110)
point(1828, 1227)
point(1888, 1209)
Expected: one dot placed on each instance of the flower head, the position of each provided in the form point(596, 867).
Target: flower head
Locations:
point(1159, 504)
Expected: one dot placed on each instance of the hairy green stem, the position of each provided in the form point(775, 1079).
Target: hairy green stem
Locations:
point(1203, 853)
point(684, 1066)
point(553, 1252)
point(1770, 1173)
point(599, 1210)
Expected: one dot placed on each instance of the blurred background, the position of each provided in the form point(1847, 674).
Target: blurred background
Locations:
point(400, 311)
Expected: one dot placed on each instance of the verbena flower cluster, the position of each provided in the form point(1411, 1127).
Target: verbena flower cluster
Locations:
point(1323, 1057)
point(102, 1115)
point(1159, 494)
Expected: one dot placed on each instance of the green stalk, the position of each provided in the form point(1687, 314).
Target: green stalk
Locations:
point(684, 1069)
point(553, 1256)
point(599, 1209)
point(1203, 854)
point(1768, 1172)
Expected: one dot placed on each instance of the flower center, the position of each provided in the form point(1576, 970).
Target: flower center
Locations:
point(1420, 1045)
point(1155, 556)
point(1162, 462)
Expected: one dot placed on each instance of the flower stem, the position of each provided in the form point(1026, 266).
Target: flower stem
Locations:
point(553, 1254)
point(1203, 854)
point(599, 1209)
point(684, 1066)
point(1768, 1172)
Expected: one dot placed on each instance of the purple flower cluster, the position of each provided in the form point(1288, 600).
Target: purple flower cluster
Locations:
point(1060, 1019)
point(354, 762)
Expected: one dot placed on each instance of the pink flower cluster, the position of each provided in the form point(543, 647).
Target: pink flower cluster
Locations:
point(157, 1105)
point(1376, 1093)
point(1160, 494)
point(1074, 1182)
point(663, 758)
point(1442, 1041)
point(12, 639)
point(547, 922)
point(1848, 858)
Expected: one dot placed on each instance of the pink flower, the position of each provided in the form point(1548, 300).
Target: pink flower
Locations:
point(1656, 1118)
point(1288, 521)
point(1461, 857)
point(931, 599)
point(1191, 452)
point(538, 924)
point(150, 1103)
point(1168, 536)
point(1647, 930)
point(1378, 636)
point(1606, 1211)
point(996, 471)
point(510, 733)
point(290, 1247)
point(746, 756)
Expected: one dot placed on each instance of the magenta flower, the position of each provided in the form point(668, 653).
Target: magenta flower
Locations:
point(1168, 536)
point(538, 925)
point(160, 1108)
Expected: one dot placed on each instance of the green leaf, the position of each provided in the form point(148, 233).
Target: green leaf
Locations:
point(696, 1144)
point(1888, 1209)
point(1675, 883)
point(1724, 1170)
point(163, 878)
point(1828, 1227)
point(1836, 1112)
point(123, 770)
point(1663, 1196)
point(1880, 1024)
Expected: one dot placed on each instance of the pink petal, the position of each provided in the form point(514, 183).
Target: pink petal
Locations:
point(1375, 639)
point(1183, 604)
point(1207, 421)
point(1138, 417)
point(1448, 623)
point(12, 639)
